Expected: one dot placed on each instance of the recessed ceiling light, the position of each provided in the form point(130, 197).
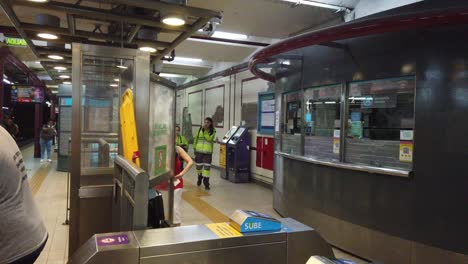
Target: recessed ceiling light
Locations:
point(114, 85)
point(55, 57)
point(60, 68)
point(116, 80)
point(173, 20)
point(147, 49)
point(64, 76)
point(228, 35)
point(47, 36)
point(66, 82)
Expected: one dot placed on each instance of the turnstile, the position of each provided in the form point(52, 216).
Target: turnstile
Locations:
point(293, 244)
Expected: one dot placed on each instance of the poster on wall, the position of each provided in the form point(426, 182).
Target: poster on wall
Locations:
point(214, 105)
point(266, 113)
point(160, 160)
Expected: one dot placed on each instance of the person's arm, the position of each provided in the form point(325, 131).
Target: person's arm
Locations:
point(185, 157)
point(195, 140)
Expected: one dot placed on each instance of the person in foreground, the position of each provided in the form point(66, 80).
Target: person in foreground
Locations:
point(22, 232)
point(203, 148)
point(179, 173)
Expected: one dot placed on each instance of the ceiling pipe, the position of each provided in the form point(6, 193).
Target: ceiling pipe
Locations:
point(99, 14)
point(195, 27)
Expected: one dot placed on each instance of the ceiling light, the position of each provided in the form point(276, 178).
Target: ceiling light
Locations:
point(122, 67)
point(60, 68)
point(114, 85)
point(64, 76)
point(317, 4)
point(188, 59)
point(47, 36)
point(66, 82)
point(38, 62)
point(169, 75)
point(6, 81)
point(147, 49)
point(55, 57)
point(116, 80)
point(173, 20)
point(38, 1)
point(227, 35)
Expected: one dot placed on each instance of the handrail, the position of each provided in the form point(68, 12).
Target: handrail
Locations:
point(358, 28)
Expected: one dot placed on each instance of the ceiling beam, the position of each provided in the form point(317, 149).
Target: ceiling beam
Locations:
point(98, 14)
point(133, 33)
point(71, 24)
point(167, 7)
point(182, 37)
point(87, 34)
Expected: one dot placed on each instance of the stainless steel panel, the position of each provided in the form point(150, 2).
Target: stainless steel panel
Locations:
point(269, 253)
point(95, 191)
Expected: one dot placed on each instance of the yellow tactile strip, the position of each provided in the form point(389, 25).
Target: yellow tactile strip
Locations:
point(193, 194)
point(38, 178)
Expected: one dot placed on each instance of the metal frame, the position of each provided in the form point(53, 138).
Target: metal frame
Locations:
point(140, 82)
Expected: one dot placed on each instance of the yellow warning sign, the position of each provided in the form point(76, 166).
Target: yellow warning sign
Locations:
point(222, 156)
point(406, 151)
point(223, 230)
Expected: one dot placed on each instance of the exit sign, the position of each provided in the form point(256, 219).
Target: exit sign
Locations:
point(15, 42)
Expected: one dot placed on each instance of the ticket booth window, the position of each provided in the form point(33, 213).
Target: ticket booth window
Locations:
point(322, 122)
point(292, 123)
point(381, 122)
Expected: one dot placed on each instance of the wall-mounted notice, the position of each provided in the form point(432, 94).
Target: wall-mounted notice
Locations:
point(268, 119)
point(268, 105)
point(160, 160)
point(336, 141)
point(406, 151)
point(266, 113)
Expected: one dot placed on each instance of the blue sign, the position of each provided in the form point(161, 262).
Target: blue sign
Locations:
point(249, 221)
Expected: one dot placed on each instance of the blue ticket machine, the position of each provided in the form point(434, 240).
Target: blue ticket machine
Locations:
point(238, 156)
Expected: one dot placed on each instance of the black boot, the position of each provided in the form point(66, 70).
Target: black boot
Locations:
point(206, 182)
point(200, 178)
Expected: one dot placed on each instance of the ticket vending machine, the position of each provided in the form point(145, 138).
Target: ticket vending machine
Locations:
point(238, 156)
point(222, 151)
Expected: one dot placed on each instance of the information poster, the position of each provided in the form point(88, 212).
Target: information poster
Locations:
point(266, 113)
point(336, 141)
point(160, 160)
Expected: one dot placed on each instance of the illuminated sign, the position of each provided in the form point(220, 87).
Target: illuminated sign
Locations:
point(15, 42)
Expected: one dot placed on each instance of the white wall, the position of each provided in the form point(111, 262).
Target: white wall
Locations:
point(238, 88)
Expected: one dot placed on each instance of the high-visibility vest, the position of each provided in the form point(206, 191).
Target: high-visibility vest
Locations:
point(182, 142)
point(204, 140)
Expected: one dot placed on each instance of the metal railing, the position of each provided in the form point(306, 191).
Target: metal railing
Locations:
point(130, 196)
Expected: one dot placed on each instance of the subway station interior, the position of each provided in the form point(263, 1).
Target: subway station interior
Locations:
point(234, 131)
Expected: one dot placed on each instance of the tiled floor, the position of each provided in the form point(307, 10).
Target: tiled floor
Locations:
point(199, 207)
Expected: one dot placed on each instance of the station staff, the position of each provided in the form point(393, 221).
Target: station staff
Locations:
point(181, 141)
point(203, 148)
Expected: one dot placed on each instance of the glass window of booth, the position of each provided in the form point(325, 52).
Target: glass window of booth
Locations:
point(292, 123)
point(380, 123)
point(322, 122)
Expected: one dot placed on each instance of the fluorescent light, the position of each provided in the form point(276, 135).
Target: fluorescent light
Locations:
point(66, 82)
point(60, 68)
point(330, 102)
point(188, 59)
point(6, 81)
point(55, 57)
point(38, 1)
point(169, 75)
point(147, 49)
point(47, 36)
point(116, 80)
point(4, 107)
point(55, 92)
point(113, 85)
point(122, 67)
point(38, 62)
point(228, 35)
point(64, 76)
point(317, 4)
point(173, 20)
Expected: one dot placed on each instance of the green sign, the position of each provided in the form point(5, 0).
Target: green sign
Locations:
point(160, 155)
point(15, 42)
point(159, 129)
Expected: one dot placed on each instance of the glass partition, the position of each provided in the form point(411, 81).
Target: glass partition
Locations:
point(103, 82)
point(292, 123)
point(322, 122)
point(381, 122)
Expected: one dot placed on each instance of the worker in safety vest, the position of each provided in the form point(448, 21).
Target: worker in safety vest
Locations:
point(181, 141)
point(203, 148)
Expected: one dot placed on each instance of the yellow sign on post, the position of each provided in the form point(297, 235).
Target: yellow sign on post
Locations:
point(128, 128)
point(406, 151)
point(222, 156)
point(223, 230)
